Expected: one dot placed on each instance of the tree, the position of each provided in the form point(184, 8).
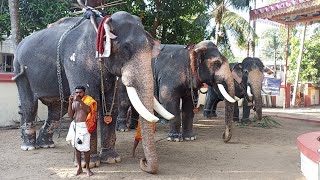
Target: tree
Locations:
point(15, 21)
point(34, 14)
point(273, 42)
point(229, 24)
point(4, 20)
point(310, 64)
point(171, 21)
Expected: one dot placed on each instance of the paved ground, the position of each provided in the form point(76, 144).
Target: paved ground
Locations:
point(306, 114)
point(252, 153)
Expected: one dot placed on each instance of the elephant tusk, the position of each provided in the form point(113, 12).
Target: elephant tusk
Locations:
point(237, 98)
point(225, 94)
point(249, 91)
point(161, 110)
point(140, 108)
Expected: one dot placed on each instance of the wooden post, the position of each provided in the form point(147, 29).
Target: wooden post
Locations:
point(285, 70)
point(298, 65)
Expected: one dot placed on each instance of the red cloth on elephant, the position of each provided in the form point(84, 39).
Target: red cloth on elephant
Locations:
point(100, 37)
point(91, 121)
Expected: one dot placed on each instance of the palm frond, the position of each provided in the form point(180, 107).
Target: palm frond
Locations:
point(238, 27)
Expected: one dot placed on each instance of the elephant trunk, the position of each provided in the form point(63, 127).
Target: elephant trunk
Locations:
point(255, 79)
point(138, 74)
point(224, 75)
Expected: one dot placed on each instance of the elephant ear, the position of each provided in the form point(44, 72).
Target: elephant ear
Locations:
point(200, 49)
point(155, 48)
point(237, 73)
point(155, 45)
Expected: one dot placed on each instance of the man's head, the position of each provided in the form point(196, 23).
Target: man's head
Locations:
point(80, 91)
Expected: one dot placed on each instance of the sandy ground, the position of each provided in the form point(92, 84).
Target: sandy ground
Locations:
point(252, 153)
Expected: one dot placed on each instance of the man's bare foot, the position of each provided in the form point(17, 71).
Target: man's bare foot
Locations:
point(89, 172)
point(79, 172)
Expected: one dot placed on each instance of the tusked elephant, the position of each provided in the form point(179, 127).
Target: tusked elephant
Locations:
point(36, 62)
point(179, 72)
point(248, 77)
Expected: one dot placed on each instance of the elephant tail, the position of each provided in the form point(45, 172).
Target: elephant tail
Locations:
point(22, 68)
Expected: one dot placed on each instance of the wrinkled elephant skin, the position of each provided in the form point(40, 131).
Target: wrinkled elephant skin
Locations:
point(36, 57)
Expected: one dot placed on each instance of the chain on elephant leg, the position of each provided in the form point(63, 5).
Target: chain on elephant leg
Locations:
point(109, 156)
point(28, 136)
point(44, 139)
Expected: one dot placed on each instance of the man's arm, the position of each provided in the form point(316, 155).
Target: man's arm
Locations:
point(70, 110)
point(85, 107)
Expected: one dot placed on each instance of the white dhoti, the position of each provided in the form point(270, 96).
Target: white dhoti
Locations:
point(79, 136)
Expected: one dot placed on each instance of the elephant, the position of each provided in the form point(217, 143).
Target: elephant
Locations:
point(67, 49)
point(179, 72)
point(248, 77)
point(126, 113)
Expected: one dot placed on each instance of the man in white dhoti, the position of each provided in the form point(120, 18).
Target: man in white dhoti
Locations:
point(82, 109)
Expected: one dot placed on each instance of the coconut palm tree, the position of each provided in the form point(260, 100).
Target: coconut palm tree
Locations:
point(229, 24)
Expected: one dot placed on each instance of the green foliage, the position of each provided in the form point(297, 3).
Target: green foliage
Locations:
point(4, 20)
point(37, 14)
point(310, 64)
point(180, 21)
point(34, 14)
point(273, 40)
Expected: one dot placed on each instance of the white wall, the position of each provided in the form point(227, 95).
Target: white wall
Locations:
point(9, 105)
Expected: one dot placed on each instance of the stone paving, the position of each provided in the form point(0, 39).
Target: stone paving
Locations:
point(306, 114)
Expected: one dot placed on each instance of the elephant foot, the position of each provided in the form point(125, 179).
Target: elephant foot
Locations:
point(209, 114)
point(28, 147)
point(28, 137)
point(123, 129)
point(227, 135)
point(121, 125)
point(44, 139)
point(189, 136)
point(236, 119)
point(174, 137)
point(109, 156)
point(94, 161)
point(133, 124)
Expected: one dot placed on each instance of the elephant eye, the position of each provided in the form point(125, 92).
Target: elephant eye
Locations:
point(217, 64)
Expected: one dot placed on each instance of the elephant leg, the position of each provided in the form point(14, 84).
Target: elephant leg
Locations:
point(236, 112)
point(108, 153)
point(213, 111)
point(134, 119)
point(124, 104)
point(187, 119)
point(44, 139)
point(209, 102)
point(246, 110)
point(175, 124)
point(28, 107)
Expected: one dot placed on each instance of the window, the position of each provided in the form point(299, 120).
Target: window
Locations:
point(6, 63)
